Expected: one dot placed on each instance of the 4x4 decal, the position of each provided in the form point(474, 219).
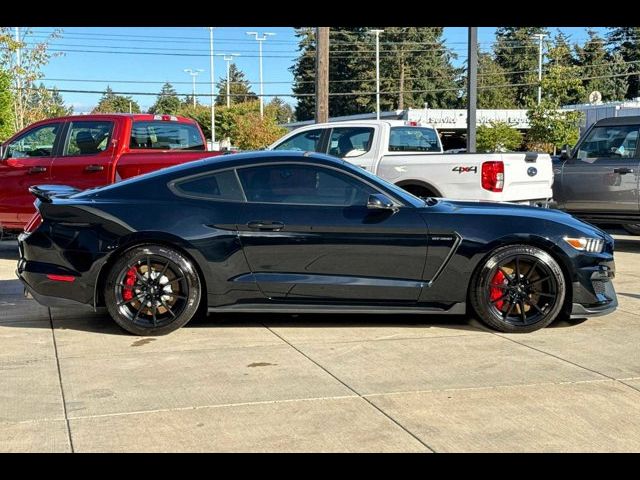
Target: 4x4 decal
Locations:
point(460, 169)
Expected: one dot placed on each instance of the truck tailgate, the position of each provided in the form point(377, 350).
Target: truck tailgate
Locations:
point(527, 176)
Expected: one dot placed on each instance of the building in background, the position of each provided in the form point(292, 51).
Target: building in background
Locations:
point(592, 112)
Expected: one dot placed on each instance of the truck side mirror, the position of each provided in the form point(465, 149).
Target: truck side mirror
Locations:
point(565, 153)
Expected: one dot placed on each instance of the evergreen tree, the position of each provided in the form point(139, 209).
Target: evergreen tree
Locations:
point(516, 51)
point(492, 92)
point(601, 70)
point(112, 103)
point(626, 41)
point(280, 111)
point(561, 80)
point(167, 102)
point(240, 88)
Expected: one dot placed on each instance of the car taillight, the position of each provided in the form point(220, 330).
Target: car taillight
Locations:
point(493, 176)
point(34, 223)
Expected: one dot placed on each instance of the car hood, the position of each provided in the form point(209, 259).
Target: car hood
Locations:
point(502, 209)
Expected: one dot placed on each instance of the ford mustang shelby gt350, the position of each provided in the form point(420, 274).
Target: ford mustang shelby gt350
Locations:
point(304, 232)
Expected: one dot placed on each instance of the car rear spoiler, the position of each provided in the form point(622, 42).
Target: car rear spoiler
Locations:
point(47, 192)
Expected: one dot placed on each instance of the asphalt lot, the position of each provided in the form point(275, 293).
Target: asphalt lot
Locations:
point(73, 381)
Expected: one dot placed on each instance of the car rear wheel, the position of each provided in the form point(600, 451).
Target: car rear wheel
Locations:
point(519, 288)
point(632, 228)
point(152, 290)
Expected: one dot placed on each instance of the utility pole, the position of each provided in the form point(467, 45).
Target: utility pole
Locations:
point(472, 89)
point(194, 74)
point(213, 90)
point(20, 115)
point(377, 34)
point(539, 36)
point(322, 74)
point(228, 58)
point(261, 39)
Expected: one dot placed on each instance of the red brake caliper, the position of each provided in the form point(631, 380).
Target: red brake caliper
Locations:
point(495, 292)
point(129, 281)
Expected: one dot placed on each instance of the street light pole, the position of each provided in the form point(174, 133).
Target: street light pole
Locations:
point(229, 58)
point(213, 90)
point(194, 74)
point(377, 34)
point(261, 39)
point(540, 36)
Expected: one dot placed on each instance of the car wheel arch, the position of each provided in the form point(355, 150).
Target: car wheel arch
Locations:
point(148, 238)
point(406, 184)
point(529, 240)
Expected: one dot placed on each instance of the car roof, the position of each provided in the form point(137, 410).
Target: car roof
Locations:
point(612, 121)
point(347, 123)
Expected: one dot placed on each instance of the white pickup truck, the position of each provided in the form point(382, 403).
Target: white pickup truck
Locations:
point(411, 156)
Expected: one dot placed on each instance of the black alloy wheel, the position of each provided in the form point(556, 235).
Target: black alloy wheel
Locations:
point(520, 288)
point(152, 290)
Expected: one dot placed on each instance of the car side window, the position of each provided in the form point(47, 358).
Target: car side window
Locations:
point(618, 141)
point(354, 141)
point(302, 184)
point(88, 138)
point(215, 186)
point(303, 142)
point(37, 142)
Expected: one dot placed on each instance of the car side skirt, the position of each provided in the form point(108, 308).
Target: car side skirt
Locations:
point(456, 309)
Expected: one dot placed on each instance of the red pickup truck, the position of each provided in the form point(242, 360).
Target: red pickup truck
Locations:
point(88, 151)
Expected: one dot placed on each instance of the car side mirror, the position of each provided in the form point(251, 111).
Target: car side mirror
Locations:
point(565, 152)
point(378, 201)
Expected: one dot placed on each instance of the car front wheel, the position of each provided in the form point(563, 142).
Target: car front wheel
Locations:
point(519, 288)
point(152, 290)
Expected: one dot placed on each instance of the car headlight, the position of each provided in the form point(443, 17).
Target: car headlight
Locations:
point(584, 244)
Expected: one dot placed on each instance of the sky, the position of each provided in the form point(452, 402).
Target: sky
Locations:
point(141, 59)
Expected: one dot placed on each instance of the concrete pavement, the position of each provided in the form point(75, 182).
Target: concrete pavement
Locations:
point(74, 381)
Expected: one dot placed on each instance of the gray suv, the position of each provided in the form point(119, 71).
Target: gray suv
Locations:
point(598, 179)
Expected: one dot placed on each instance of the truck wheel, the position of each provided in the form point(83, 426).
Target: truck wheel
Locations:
point(518, 289)
point(632, 228)
point(152, 290)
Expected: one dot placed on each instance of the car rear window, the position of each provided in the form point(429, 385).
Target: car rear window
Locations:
point(166, 135)
point(413, 139)
point(216, 186)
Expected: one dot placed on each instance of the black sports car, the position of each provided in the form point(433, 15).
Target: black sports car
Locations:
point(300, 232)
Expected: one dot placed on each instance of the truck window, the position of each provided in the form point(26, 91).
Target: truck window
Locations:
point(37, 142)
point(615, 141)
point(354, 140)
point(413, 139)
point(303, 142)
point(88, 138)
point(164, 135)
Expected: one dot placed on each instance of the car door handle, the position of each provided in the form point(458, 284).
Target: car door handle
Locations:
point(94, 168)
point(262, 225)
point(34, 170)
point(623, 170)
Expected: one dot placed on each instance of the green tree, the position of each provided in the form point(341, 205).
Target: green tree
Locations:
point(415, 68)
point(516, 51)
point(112, 103)
point(492, 92)
point(626, 42)
point(6, 106)
point(167, 102)
point(602, 71)
point(279, 110)
point(562, 82)
point(498, 137)
point(239, 88)
point(33, 56)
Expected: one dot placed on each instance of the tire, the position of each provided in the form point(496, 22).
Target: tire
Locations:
point(499, 296)
point(632, 228)
point(171, 292)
